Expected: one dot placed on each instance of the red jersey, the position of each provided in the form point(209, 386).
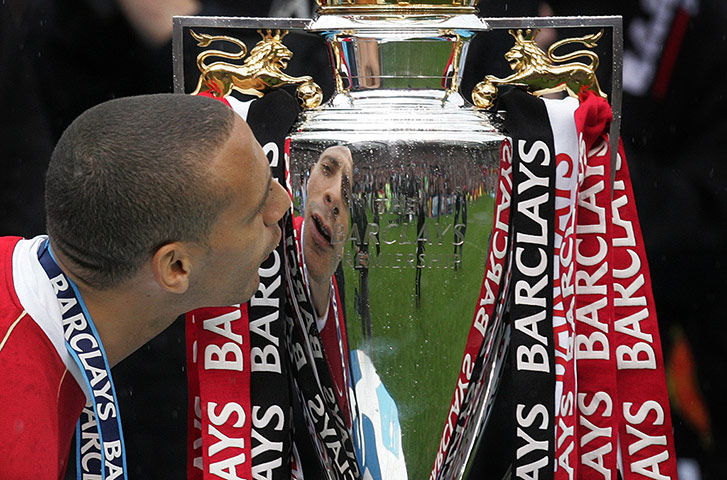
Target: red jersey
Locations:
point(40, 395)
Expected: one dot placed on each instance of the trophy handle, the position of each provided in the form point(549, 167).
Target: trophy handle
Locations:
point(541, 73)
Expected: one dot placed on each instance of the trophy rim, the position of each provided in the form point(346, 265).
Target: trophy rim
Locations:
point(413, 7)
point(417, 9)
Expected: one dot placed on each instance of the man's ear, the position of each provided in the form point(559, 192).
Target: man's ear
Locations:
point(172, 266)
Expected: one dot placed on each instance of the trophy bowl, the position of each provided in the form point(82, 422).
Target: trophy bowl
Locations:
point(395, 180)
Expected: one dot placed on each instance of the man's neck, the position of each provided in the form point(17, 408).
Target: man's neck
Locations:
point(320, 292)
point(126, 317)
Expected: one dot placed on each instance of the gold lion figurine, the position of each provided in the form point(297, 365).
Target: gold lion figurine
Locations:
point(261, 71)
point(540, 73)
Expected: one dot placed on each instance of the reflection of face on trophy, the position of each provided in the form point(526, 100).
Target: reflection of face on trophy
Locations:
point(327, 214)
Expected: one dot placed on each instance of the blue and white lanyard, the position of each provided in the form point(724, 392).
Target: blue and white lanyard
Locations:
point(99, 444)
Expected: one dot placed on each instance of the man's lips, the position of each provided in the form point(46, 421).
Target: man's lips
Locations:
point(273, 244)
point(321, 231)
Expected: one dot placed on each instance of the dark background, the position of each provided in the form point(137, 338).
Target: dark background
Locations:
point(58, 58)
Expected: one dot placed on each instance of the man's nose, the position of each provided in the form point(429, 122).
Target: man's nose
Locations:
point(333, 199)
point(277, 204)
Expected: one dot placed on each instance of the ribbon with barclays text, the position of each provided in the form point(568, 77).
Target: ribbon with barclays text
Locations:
point(531, 310)
point(100, 451)
point(588, 390)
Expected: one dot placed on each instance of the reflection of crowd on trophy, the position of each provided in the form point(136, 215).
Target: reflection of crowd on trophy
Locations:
point(400, 189)
point(417, 194)
point(418, 197)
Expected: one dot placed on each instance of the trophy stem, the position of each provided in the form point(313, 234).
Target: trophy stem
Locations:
point(423, 53)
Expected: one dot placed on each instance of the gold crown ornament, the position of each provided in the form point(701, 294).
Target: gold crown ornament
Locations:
point(261, 71)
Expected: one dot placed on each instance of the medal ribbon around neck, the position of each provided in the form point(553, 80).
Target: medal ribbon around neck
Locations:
point(99, 437)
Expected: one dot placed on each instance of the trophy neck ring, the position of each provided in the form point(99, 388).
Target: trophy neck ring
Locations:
point(341, 7)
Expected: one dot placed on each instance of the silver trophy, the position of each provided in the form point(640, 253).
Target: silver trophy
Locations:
point(394, 181)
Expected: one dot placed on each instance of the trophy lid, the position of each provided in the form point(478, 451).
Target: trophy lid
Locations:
point(397, 6)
